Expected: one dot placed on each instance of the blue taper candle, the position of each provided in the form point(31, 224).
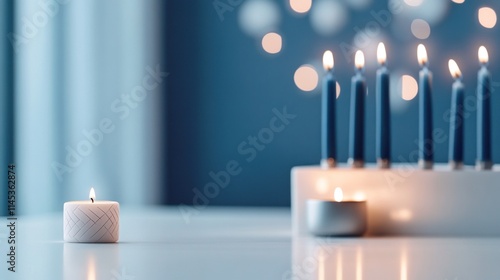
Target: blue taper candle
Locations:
point(357, 124)
point(483, 160)
point(426, 151)
point(456, 147)
point(383, 125)
point(328, 127)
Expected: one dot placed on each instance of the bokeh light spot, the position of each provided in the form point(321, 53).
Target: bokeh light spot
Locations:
point(409, 87)
point(414, 3)
point(306, 78)
point(271, 43)
point(300, 6)
point(487, 17)
point(328, 16)
point(420, 29)
point(458, 1)
point(258, 17)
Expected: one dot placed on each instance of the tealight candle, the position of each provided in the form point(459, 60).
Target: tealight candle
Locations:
point(91, 221)
point(336, 218)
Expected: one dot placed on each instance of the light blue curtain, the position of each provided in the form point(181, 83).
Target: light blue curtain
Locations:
point(85, 115)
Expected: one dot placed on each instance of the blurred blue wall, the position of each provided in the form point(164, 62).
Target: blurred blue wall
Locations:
point(224, 87)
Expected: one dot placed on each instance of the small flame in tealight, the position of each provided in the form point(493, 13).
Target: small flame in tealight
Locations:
point(454, 70)
point(92, 195)
point(381, 54)
point(338, 195)
point(328, 60)
point(422, 55)
point(482, 53)
point(359, 60)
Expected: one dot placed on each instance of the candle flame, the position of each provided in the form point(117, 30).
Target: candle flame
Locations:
point(92, 194)
point(422, 55)
point(454, 70)
point(482, 53)
point(359, 60)
point(381, 54)
point(328, 60)
point(338, 195)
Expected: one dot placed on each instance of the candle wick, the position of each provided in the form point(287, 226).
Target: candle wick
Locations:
point(92, 199)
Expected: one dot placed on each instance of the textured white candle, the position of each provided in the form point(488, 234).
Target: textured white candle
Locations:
point(91, 221)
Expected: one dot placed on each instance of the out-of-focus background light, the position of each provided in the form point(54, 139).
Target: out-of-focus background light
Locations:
point(258, 17)
point(487, 17)
point(409, 87)
point(271, 42)
point(420, 29)
point(306, 78)
point(300, 6)
point(414, 3)
point(328, 17)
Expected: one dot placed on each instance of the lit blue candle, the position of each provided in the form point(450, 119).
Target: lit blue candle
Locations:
point(426, 151)
point(456, 152)
point(483, 160)
point(383, 125)
point(328, 128)
point(357, 124)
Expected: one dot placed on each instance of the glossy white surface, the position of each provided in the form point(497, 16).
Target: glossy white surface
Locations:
point(236, 243)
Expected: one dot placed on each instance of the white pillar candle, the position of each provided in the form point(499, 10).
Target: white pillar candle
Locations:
point(91, 221)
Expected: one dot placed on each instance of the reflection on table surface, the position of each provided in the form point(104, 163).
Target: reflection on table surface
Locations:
point(399, 258)
point(330, 258)
point(88, 262)
point(232, 243)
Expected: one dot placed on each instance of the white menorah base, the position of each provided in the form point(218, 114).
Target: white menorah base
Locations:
point(405, 200)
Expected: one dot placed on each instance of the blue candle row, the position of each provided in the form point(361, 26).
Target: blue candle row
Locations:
point(383, 131)
point(356, 123)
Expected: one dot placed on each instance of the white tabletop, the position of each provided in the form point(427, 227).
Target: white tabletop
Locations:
point(238, 243)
